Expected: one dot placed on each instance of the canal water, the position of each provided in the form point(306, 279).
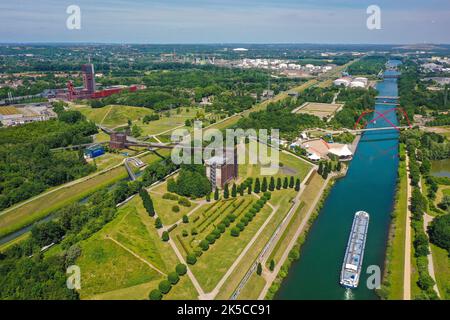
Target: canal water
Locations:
point(370, 186)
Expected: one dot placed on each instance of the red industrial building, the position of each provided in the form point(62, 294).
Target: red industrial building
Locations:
point(89, 87)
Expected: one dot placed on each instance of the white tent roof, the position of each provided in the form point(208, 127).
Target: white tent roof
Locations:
point(313, 157)
point(343, 151)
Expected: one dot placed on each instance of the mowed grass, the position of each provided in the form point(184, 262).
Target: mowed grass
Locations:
point(215, 262)
point(289, 165)
point(307, 200)
point(164, 207)
point(252, 288)
point(41, 206)
point(441, 262)
point(395, 255)
point(108, 269)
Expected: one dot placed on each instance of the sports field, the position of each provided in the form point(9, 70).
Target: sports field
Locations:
point(321, 110)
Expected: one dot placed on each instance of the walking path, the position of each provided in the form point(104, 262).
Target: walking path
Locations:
point(270, 277)
point(407, 261)
point(427, 219)
point(136, 255)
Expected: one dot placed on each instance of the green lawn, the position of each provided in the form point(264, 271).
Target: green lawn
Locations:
point(441, 262)
point(103, 260)
point(395, 254)
point(252, 288)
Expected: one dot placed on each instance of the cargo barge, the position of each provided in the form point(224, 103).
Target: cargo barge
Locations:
point(354, 254)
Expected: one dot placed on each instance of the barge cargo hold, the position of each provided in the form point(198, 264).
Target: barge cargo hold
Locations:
point(354, 254)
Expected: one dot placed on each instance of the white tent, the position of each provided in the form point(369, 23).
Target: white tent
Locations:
point(313, 157)
point(341, 152)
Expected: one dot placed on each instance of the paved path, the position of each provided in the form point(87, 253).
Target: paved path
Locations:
point(427, 219)
point(407, 261)
point(136, 255)
point(270, 277)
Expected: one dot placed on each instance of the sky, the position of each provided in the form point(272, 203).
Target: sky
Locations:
point(226, 21)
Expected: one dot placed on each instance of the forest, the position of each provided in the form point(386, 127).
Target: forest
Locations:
point(27, 164)
point(370, 65)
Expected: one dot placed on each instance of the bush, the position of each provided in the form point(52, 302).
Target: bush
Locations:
point(191, 259)
point(165, 286)
point(221, 227)
point(210, 238)
point(158, 223)
point(184, 202)
point(155, 295)
point(204, 245)
point(240, 226)
point(181, 269)
point(226, 222)
point(176, 208)
point(185, 233)
point(170, 196)
point(173, 278)
point(216, 233)
point(165, 236)
point(245, 221)
point(194, 232)
point(235, 232)
point(231, 217)
point(185, 219)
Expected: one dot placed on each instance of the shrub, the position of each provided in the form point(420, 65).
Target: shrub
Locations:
point(158, 223)
point(226, 222)
point(249, 216)
point(198, 252)
point(184, 233)
point(191, 259)
point(194, 232)
point(204, 245)
point(210, 238)
point(173, 277)
point(181, 269)
point(165, 236)
point(245, 221)
point(184, 202)
point(259, 269)
point(176, 208)
point(240, 226)
point(439, 231)
point(165, 286)
point(221, 227)
point(235, 232)
point(170, 196)
point(217, 233)
point(272, 265)
point(185, 219)
point(231, 217)
point(155, 295)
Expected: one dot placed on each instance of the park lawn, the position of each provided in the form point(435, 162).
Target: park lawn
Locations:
point(252, 288)
point(289, 165)
point(107, 160)
point(307, 199)
point(41, 206)
point(441, 262)
point(105, 267)
point(395, 255)
point(101, 137)
point(137, 292)
point(103, 260)
point(135, 230)
point(215, 262)
point(93, 114)
point(163, 207)
point(166, 124)
point(183, 290)
point(119, 115)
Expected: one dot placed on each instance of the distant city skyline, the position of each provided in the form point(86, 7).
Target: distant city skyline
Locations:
point(226, 21)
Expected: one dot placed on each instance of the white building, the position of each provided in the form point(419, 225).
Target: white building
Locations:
point(342, 81)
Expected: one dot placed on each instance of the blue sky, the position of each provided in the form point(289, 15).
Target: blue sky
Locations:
point(225, 21)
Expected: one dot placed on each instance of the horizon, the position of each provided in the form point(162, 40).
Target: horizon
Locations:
point(218, 22)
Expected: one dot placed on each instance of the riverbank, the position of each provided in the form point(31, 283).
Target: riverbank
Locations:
point(393, 275)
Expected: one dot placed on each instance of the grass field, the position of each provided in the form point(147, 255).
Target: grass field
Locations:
point(289, 166)
point(441, 262)
point(103, 259)
point(395, 253)
point(252, 288)
point(320, 110)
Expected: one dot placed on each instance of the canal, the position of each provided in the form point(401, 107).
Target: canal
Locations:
point(370, 186)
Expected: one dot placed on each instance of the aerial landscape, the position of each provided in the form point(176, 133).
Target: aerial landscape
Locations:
point(192, 152)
